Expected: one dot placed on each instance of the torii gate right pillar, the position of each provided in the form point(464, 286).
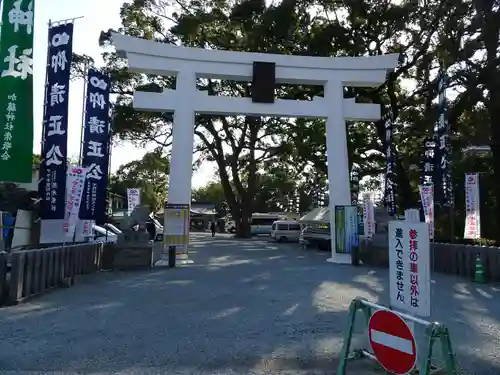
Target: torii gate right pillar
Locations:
point(337, 159)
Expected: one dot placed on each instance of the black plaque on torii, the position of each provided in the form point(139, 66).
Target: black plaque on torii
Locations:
point(263, 82)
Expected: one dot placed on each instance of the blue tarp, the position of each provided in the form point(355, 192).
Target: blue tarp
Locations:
point(8, 221)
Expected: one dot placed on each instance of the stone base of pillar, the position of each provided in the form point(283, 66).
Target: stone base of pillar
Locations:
point(340, 258)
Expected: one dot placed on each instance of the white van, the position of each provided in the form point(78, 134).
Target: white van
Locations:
point(286, 230)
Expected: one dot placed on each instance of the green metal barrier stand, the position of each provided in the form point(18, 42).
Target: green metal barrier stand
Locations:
point(434, 332)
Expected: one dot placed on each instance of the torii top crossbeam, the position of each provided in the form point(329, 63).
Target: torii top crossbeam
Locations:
point(145, 56)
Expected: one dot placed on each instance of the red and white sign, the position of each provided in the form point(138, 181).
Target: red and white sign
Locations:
point(472, 229)
point(392, 342)
point(74, 190)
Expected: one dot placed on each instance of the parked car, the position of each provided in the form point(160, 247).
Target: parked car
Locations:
point(102, 235)
point(286, 230)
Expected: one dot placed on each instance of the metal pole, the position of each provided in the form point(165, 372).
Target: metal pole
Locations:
point(67, 20)
point(84, 112)
point(42, 140)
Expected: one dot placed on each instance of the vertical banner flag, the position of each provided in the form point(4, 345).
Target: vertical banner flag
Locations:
point(74, 190)
point(409, 267)
point(354, 185)
point(428, 162)
point(53, 167)
point(472, 215)
point(346, 229)
point(95, 154)
point(368, 214)
point(443, 144)
point(133, 199)
point(427, 198)
point(16, 91)
point(390, 175)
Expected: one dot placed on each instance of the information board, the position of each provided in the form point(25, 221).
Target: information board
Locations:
point(346, 228)
point(176, 230)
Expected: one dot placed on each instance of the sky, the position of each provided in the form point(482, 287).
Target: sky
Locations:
point(97, 15)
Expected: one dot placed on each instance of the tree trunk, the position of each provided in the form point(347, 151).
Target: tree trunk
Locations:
point(491, 31)
point(243, 229)
point(494, 111)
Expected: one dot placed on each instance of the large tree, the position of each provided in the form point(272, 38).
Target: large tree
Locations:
point(150, 174)
point(427, 35)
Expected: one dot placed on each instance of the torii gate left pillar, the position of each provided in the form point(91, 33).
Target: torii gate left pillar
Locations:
point(188, 64)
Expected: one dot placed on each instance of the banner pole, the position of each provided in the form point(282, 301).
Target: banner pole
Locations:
point(84, 111)
point(42, 139)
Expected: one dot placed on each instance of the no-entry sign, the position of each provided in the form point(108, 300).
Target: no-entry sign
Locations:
point(392, 342)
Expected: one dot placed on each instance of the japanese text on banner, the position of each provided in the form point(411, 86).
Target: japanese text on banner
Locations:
point(133, 199)
point(74, 190)
point(390, 175)
point(368, 214)
point(52, 184)
point(16, 91)
point(428, 161)
point(472, 207)
point(443, 144)
point(96, 142)
point(354, 186)
point(409, 267)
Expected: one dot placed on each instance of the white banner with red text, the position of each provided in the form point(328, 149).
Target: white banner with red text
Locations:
point(74, 191)
point(472, 229)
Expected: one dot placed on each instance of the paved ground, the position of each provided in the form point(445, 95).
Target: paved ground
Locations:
point(244, 307)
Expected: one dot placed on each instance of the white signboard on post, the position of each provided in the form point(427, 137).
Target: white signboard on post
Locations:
point(412, 214)
point(427, 198)
point(409, 267)
point(368, 214)
point(74, 191)
point(472, 206)
point(133, 199)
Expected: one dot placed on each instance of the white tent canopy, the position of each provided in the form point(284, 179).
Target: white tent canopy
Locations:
point(320, 215)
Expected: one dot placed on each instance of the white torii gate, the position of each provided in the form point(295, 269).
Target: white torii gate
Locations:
point(188, 64)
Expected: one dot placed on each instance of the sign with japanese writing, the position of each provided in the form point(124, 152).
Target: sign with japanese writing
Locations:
point(354, 185)
point(74, 190)
point(52, 183)
point(96, 143)
point(346, 229)
point(472, 206)
point(427, 198)
point(390, 173)
point(412, 214)
point(443, 145)
point(409, 267)
point(428, 162)
point(176, 228)
point(133, 199)
point(369, 214)
point(16, 91)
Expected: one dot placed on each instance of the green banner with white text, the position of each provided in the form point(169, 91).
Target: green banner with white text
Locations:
point(16, 90)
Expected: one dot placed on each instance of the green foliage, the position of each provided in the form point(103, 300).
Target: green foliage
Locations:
point(462, 36)
point(150, 174)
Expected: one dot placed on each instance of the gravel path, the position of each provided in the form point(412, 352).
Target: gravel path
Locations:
point(244, 307)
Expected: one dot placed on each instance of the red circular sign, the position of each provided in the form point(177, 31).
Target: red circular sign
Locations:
point(392, 342)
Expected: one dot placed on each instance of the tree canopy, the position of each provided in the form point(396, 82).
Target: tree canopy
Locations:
point(150, 174)
point(459, 36)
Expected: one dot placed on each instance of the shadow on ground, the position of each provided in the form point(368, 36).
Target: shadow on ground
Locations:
point(244, 304)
